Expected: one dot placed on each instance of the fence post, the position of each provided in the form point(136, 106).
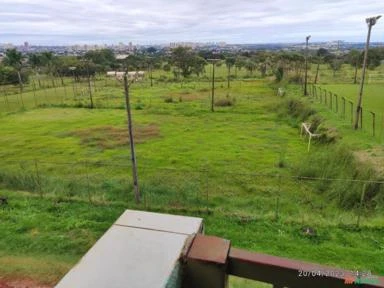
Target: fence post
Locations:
point(382, 125)
point(343, 99)
point(330, 100)
point(337, 103)
point(373, 123)
point(351, 111)
point(321, 95)
point(206, 190)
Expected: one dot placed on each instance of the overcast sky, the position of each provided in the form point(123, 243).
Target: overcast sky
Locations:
point(164, 21)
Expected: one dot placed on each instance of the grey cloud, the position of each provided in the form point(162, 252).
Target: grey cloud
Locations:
point(150, 21)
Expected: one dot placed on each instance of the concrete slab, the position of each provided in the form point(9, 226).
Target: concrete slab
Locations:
point(136, 257)
point(161, 222)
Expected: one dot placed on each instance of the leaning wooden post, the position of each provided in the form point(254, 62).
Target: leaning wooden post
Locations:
point(131, 143)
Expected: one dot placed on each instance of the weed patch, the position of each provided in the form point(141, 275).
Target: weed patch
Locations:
point(109, 137)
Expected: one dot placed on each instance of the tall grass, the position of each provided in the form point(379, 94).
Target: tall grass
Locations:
point(349, 176)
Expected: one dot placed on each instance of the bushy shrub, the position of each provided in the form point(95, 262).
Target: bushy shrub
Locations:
point(168, 99)
point(296, 79)
point(224, 102)
point(298, 109)
point(279, 74)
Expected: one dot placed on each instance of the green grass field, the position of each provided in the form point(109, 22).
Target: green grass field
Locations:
point(373, 97)
point(66, 173)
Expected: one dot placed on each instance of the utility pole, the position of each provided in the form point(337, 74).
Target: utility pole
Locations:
point(306, 65)
point(370, 22)
point(213, 61)
point(131, 143)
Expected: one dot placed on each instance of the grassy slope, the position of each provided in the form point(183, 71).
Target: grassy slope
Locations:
point(230, 144)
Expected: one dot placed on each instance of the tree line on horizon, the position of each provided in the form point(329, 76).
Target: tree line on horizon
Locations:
point(183, 62)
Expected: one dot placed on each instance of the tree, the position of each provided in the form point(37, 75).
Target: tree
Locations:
point(47, 59)
point(229, 62)
point(320, 55)
point(198, 65)
point(279, 73)
point(104, 58)
point(335, 65)
point(14, 59)
point(239, 63)
point(355, 59)
point(375, 55)
point(250, 65)
point(184, 59)
point(34, 60)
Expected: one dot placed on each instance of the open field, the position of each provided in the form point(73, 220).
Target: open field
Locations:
point(66, 173)
point(373, 97)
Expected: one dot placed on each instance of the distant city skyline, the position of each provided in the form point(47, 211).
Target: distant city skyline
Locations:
point(145, 22)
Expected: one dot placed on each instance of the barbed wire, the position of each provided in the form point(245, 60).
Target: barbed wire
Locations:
point(203, 170)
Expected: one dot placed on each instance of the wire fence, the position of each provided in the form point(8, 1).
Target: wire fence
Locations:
point(271, 196)
point(96, 92)
point(370, 121)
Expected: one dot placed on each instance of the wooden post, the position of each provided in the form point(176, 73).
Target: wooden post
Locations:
point(373, 123)
point(330, 100)
point(370, 21)
point(131, 142)
point(350, 102)
point(342, 98)
point(89, 87)
point(337, 103)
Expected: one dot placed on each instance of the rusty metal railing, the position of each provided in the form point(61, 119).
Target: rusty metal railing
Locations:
point(210, 260)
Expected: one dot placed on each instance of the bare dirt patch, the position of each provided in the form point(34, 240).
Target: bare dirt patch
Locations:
point(21, 283)
point(108, 137)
